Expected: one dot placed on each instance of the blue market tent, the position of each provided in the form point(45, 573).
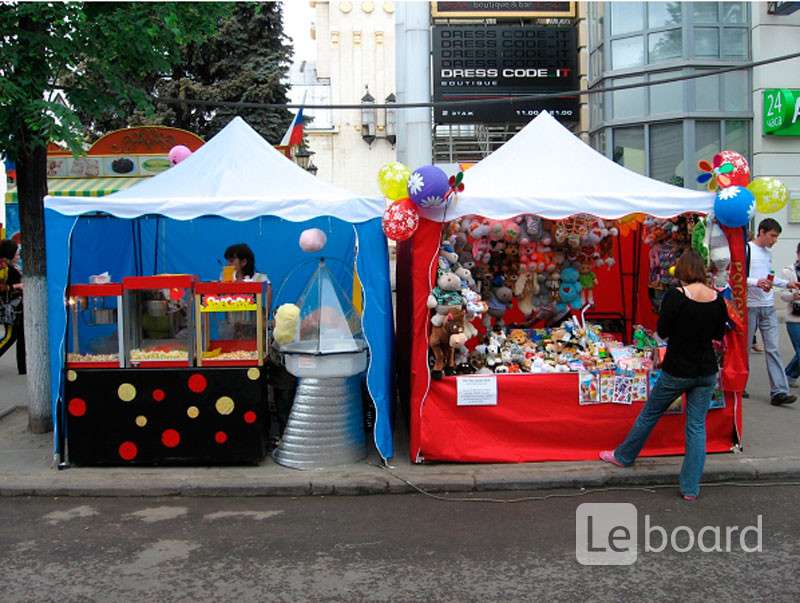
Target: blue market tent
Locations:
point(235, 188)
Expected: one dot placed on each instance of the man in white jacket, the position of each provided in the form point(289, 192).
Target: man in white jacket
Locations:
point(761, 312)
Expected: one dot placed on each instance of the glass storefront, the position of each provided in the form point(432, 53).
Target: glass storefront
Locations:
point(661, 130)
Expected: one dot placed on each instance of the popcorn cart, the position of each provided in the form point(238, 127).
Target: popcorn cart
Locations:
point(159, 321)
point(229, 321)
point(95, 326)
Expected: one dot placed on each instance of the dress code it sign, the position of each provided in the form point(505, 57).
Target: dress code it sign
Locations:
point(482, 62)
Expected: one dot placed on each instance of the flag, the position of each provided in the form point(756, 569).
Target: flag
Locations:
point(294, 135)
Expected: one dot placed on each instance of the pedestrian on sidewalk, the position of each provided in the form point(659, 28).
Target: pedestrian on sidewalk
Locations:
point(792, 299)
point(11, 303)
point(761, 314)
point(692, 316)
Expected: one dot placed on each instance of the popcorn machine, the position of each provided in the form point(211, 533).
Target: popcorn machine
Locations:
point(95, 326)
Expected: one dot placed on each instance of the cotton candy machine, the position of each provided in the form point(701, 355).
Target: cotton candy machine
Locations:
point(328, 355)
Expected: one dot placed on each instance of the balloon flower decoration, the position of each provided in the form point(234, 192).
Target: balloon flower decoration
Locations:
point(178, 153)
point(770, 193)
point(428, 186)
point(393, 180)
point(400, 220)
point(734, 206)
point(727, 168)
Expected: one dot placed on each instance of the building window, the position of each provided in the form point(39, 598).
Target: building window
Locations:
point(626, 17)
point(737, 136)
point(631, 102)
point(629, 148)
point(707, 142)
point(666, 153)
point(653, 32)
point(666, 98)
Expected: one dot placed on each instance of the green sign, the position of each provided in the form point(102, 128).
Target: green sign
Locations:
point(782, 112)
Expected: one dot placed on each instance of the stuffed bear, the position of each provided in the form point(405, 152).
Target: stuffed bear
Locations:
point(569, 293)
point(499, 301)
point(446, 296)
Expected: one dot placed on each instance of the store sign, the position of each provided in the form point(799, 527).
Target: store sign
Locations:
point(781, 112)
point(499, 10)
point(485, 62)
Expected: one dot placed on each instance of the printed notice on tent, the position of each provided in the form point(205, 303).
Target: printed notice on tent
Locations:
point(477, 391)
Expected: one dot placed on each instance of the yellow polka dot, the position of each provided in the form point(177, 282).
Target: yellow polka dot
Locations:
point(192, 411)
point(253, 374)
point(72, 376)
point(141, 420)
point(224, 405)
point(126, 392)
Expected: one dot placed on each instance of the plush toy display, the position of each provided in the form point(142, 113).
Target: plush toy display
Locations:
point(444, 341)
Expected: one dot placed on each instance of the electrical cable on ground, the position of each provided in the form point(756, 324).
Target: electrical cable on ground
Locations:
point(483, 101)
point(583, 491)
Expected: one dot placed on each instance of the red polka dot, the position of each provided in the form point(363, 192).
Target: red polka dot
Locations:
point(170, 438)
point(158, 395)
point(197, 383)
point(220, 437)
point(76, 407)
point(128, 451)
point(249, 417)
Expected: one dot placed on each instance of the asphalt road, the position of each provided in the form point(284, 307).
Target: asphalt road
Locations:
point(388, 548)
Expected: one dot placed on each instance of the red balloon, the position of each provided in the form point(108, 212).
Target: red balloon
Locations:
point(400, 220)
point(740, 176)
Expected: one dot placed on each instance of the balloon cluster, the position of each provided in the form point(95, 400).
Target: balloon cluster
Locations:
point(737, 197)
point(408, 192)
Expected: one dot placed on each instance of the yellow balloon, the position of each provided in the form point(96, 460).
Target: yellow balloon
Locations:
point(393, 180)
point(770, 193)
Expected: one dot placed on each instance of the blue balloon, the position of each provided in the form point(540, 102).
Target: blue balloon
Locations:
point(427, 186)
point(734, 206)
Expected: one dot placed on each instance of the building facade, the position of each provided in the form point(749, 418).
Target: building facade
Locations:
point(355, 57)
point(662, 130)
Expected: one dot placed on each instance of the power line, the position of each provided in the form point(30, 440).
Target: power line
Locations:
point(485, 101)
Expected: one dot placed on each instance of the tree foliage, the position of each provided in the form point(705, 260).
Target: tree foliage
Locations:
point(246, 59)
point(100, 52)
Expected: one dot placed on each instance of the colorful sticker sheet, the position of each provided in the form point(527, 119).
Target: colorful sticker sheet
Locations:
point(588, 388)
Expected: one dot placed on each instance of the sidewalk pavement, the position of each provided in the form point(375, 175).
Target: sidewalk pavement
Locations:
point(27, 467)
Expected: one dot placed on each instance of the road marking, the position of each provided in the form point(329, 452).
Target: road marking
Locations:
point(257, 515)
point(161, 551)
point(154, 514)
point(56, 517)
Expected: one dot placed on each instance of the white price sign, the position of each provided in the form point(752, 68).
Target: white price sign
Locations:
point(477, 391)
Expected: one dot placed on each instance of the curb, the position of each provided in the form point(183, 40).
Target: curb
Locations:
point(470, 479)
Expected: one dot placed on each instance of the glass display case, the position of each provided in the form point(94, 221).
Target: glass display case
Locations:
point(159, 321)
point(95, 326)
point(329, 340)
point(229, 318)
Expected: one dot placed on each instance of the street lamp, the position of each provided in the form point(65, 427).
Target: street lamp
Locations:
point(303, 157)
point(391, 120)
point(368, 118)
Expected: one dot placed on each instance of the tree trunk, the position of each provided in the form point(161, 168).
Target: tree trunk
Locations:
point(31, 189)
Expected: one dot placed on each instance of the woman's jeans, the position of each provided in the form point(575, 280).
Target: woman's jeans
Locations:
point(699, 391)
point(793, 368)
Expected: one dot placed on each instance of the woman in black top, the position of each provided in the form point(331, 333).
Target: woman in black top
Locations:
point(11, 303)
point(692, 316)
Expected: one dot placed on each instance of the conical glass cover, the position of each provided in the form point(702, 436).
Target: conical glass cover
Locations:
point(329, 324)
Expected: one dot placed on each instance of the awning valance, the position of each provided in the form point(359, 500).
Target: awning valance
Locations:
point(81, 187)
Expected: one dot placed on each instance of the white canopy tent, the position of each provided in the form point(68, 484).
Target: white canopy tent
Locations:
point(236, 175)
point(545, 169)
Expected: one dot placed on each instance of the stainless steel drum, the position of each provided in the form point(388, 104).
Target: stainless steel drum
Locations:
point(326, 425)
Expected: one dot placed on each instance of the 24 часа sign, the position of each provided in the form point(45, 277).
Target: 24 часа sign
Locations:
point(489, 61)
